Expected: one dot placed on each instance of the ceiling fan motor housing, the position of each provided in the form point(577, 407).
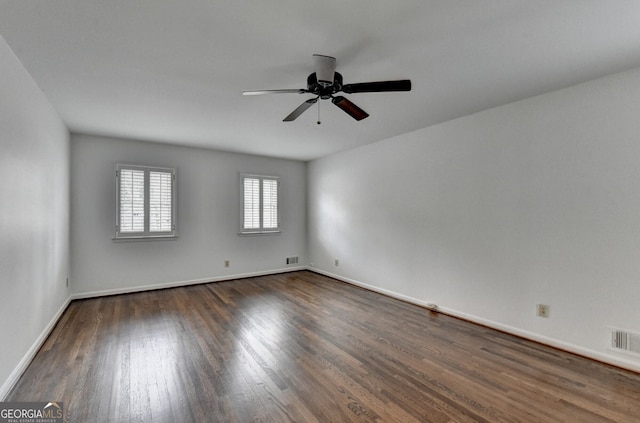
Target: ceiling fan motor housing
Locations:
point(325, 92)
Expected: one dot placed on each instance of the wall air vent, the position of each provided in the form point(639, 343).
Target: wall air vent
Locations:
point(292, 260)
point(625, 341)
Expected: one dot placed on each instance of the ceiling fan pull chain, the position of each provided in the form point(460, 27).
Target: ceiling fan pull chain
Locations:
point(319, 113)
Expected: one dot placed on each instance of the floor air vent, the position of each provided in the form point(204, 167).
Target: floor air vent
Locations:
point(625, 341)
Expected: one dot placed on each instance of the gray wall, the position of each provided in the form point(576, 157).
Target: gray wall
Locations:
point(488, 215)
point(34, 217)
point(208, 218)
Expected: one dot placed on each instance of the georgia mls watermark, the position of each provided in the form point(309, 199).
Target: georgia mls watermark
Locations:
point(31, 412)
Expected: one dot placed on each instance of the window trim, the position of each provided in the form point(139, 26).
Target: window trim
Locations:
point(146, 234)
point(261, 230)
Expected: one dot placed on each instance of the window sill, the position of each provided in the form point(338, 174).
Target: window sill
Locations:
point(145, 238)
point(252, 233)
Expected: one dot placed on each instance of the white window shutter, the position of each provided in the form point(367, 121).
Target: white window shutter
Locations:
point(251, 203)
point(260, 204)
point(131, 200)
point(269, 204)
point(145, 202)
point(160, 202)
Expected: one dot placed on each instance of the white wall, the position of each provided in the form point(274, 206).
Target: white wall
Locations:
point(208, 218)
point(488, 215)
point(34, 217)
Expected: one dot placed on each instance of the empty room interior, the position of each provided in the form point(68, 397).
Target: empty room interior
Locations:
point(425, 211)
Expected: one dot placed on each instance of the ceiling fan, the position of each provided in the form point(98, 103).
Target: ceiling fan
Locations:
point(325, 82)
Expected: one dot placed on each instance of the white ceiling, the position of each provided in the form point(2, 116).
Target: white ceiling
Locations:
point(173, 71)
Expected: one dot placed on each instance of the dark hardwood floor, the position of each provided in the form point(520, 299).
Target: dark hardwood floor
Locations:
point(300, 347)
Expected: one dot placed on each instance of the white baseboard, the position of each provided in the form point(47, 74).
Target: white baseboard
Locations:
point(176, 284)
point(621, 362)
point(31, 353)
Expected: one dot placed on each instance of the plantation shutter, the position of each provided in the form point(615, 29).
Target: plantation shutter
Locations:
point(145, 202)
point(269, 203)
point(260, 204)
point(251, 203)
point(131, 200)
point(160, 202)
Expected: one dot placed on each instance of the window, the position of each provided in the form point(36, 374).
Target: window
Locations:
point(145, 202)
point(260, 204)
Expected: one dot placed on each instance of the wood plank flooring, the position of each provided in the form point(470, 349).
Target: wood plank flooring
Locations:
point(300, 347)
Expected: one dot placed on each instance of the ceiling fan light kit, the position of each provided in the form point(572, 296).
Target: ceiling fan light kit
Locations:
point(325, 82)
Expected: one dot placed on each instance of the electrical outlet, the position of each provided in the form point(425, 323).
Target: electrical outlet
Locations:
point(226, 263)
point(542, 310)
point(336, 262)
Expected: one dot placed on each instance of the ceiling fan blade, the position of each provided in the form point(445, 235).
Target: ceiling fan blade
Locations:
point(285, 91)
point(325, 68)
point(377, 87)
point(352, 110)
point(300, 110)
